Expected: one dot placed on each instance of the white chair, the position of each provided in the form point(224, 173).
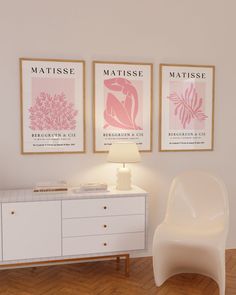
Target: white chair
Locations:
point(192, 237)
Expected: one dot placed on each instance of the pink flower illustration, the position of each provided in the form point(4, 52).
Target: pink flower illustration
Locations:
point(121, 114)
point(188, 106)
point(52, 113)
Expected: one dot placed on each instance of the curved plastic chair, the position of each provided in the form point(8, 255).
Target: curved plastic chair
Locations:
point(192, 237)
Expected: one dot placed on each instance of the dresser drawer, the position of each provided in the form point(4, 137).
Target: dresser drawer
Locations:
point(103, 225)
point(103, 207)
point(101, 244)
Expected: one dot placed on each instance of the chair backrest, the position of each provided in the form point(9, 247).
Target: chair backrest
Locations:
point(198, 198)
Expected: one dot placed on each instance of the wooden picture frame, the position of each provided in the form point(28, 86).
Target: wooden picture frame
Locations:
point(122, 104)
point(186, 107)
point(52, 106)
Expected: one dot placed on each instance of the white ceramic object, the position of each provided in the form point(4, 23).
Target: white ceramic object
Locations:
point(192, 237)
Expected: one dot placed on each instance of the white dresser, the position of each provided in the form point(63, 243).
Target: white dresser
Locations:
point(39, 228)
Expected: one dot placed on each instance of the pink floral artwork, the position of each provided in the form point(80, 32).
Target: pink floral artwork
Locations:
point(52, 112)
point(121, 110)
point(188, 106)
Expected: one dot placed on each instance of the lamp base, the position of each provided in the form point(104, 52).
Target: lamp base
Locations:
point(123, 179)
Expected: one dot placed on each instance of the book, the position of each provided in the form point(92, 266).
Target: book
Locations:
point(49, 189)
point(91, 187)
point(58, 186)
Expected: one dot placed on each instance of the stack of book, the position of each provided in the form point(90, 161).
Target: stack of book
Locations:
point(91, 187)
point(51, 187)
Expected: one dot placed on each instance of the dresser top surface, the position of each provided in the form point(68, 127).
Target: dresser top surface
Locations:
point(28, 195)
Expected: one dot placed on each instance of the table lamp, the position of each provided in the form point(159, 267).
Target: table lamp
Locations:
point(123, 152)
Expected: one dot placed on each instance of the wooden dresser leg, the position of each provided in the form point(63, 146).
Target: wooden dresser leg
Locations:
point(127, 265)
point(118, 262)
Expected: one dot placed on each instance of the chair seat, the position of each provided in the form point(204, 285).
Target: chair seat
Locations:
point(191, 234)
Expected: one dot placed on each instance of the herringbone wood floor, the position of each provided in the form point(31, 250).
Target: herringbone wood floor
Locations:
point(102, 278)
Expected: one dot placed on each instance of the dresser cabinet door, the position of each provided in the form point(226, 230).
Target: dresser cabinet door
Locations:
point(31, 230)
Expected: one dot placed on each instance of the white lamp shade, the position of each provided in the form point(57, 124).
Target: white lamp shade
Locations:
point(123, 152)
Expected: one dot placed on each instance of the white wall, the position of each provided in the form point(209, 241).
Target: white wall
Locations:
point(157, 31)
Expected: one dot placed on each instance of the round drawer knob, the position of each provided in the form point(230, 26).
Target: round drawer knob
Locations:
point(105, 207)
point(104, 225)
point(12, 212)
point(104, 244)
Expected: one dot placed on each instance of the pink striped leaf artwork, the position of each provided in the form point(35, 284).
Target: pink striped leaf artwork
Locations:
point(52, 112)
point(188, 106)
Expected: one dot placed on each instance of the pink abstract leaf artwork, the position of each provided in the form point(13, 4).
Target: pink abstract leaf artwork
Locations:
point(121, 113)
point(52, 112)
point(188, 106)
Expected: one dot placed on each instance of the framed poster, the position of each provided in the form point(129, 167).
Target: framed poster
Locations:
point(52, 106)
point(186, 107)
point(122, 104)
